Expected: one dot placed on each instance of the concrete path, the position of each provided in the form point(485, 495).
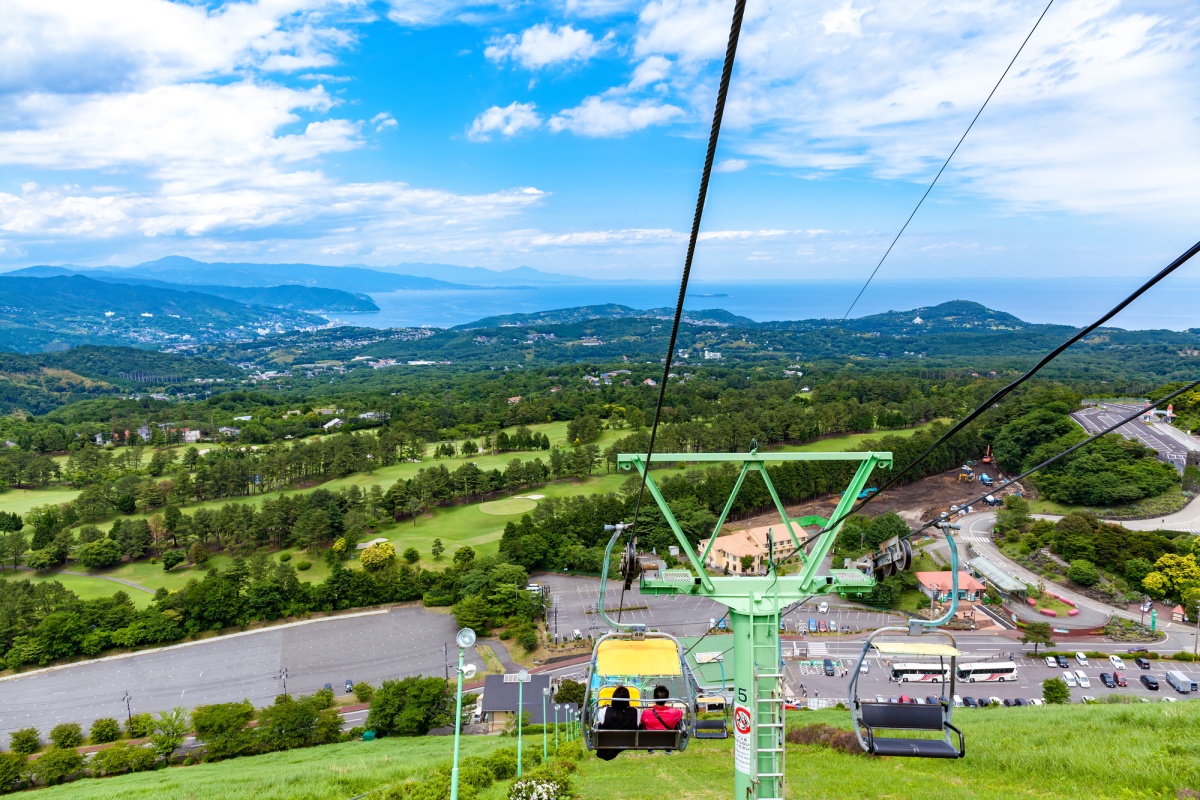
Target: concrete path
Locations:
point(502, 654)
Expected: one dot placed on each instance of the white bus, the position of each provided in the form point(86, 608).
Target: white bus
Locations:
point(987, 671)
point(928, 673)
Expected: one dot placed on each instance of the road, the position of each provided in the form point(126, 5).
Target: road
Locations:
point(1172, 444)
point(1030, 673)
point(372, 647)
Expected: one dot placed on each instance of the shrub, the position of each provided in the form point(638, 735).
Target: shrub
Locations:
point(540, 789)
point(141, 758)
point(528, 639)
point(1055, 691)
point(110, 761)
point(571, 751)
point(67, 734)
point(56, 765)
point(357, 731)
point(301, 566)
point(320, 699)
point(285, 557)
point(25, 741)
point(140, 726)
point(475, 773)
point(1083, 572)
point(363, 692)
point(503, 763)
point(105, 730)
point(12, 767)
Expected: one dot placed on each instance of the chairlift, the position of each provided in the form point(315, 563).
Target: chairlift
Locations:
point(870, 717)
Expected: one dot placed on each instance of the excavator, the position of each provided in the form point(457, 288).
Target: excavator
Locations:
point(987, 457)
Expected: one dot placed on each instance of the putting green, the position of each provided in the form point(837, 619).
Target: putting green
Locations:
point(508, 506)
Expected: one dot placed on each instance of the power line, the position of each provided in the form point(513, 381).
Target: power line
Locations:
point(735, 29)
point(946, 163)
point(986, 404)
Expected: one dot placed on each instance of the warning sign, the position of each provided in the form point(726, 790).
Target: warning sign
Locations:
point(743, 742)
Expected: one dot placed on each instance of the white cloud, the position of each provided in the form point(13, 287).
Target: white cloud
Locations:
point(511, 120)
point(1097, 116)
point(383, 121)
point(731, 165)
point(543, 45)
point(599, 8)
point(419, 13)
point(598, 116)
point(652, 70)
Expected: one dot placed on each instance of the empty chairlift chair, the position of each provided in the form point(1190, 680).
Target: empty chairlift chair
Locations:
point(896, 719)
point(638, 661)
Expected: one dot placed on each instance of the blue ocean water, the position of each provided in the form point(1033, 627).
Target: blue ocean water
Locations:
point(1175, 304)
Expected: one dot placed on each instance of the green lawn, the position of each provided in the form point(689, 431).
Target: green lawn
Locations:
point(19, 501)
point(332, 772)
point(86, 588)
point(1161, 506)
point(1070, 752)
point(848, 441)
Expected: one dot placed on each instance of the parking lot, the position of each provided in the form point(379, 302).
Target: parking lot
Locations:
point(1031, 672)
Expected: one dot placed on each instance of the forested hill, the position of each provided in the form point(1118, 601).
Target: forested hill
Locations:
point(58, 312)
point(714, 317)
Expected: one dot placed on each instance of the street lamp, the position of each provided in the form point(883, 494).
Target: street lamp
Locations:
point(545, 739)
point(465, 638)
point(556, 707)
point(520, 679)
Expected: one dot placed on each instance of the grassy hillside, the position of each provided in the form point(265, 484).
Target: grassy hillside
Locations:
point(1098, 751)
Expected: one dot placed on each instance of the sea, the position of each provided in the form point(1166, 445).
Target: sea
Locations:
point(1174, 304)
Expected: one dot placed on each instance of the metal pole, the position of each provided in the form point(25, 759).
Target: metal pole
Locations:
point(1197, 640)
point(545, 739)
point(520, 722)
point(128, 710)
point(457, 729)
point(446, 659)
point(556, 727)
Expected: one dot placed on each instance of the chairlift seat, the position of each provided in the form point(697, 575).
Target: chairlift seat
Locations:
point(637, 740)
point(909, 717)
point(711, 729)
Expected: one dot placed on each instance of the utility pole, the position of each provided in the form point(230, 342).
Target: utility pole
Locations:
point(1196, 641)
point(283, 676)
point(446, 659)
point(128, 710)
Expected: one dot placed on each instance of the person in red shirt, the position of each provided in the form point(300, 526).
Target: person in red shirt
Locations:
point(660, 716)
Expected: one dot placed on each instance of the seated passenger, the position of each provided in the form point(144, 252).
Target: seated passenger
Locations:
point(660, 716)
point(618, 716)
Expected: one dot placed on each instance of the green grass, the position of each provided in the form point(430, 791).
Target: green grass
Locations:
point(1161, 506)
point(86, 588)
point(19, 501)
point(849, 440)
point(319, 773)
point(1099, 751)
point(1138, 751)
point(508, 506)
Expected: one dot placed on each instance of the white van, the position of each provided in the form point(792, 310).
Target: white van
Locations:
point(1084, 683)
point(1069, 677)
point(823, 608)
point(1082, 659)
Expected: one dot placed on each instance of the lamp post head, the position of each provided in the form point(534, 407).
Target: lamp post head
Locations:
point(465, 637)
point(546, 692)
point(557, 706)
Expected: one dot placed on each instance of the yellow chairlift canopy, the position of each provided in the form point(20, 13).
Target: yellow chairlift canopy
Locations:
point(915, 649)
point(653, 657)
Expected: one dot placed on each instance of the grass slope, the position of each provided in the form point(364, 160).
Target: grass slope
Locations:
point(1068, 752)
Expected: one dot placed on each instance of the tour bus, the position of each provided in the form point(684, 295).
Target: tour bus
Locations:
point(931, 673)
point(987, 671)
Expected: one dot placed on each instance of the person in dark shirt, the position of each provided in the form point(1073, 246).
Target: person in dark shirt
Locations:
point(617, 717)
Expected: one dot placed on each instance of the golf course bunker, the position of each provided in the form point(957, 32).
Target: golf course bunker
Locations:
point(508, 506)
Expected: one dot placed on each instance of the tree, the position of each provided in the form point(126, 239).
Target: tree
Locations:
point(411, 556)
point(570, 691)
point(285, 724)
point(172, 559)
point(747, 563)
point(56, 765)
point(98, 554)
point(437, 549)
point(223, 727)
point(169, 731)
point(473, 612)
point(67, 734)
point(363, 692)
point(378, 556)
point(140, 726)
point(1015, 514)
point(25, 741)
point(104, 730)
point(409, 707)
point(1055, 692)
point(1037, 633)
point(12, 767)
point(1083, 572)
point(198, 554)
point(463, 557)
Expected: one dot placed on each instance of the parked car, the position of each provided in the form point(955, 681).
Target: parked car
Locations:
point(917, 701)
point(832, 626)
point(349, 686)
point(1133, 651)
point(812, 625)
point(880, 698)
point(1008, 703)
point(329, 686)
point(1051, 662)
point(865, 668)
point(958, 701)
point(1035, 701)
point(1069, 677)
point(1143, 663)
point(1107, 680)
point(829, 668)
point(1169, 700)
point(1150, 682)
point(1087, 698)
point(1116, 661)
point(1082, 659)
point(933, 700)
point(1062, 662)
point(822, 627)
point(995, 701)
point(1084, 683)
point(823, 608)
point(970, 702)
point(1119, 679)
point(1019, 703)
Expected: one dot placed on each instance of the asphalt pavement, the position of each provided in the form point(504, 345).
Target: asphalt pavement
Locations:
point(1172, 444)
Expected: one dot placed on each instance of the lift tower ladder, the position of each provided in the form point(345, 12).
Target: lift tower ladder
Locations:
point(754, 602)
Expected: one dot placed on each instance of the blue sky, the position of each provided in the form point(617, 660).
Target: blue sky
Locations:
point(568, 135)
